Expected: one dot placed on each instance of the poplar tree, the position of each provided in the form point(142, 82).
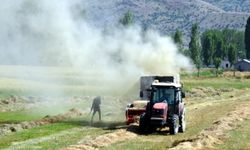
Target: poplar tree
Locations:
point(178, 40)
point(194, 47)
point(247, 38)
point(207, 48)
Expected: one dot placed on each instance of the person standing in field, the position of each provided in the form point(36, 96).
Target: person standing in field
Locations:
point(96, 108)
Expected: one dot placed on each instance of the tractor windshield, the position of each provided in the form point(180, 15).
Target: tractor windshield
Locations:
point(163, 94)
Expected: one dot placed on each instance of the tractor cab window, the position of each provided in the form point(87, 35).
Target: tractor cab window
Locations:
point(163, 94)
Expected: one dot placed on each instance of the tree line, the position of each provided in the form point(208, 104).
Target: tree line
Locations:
point(213, 46)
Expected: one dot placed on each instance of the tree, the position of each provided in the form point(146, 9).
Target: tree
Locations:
point(232, 54)
point(214, 44)
point(228, 35)
point(247, 38)
point(178, 40)
point(240, 44)
point(186, 52)
point(194, 47)
point(235, 37)
point(127, 19)
point(219, 51)
point(219, 47)
point(207, 47)
point(217, 62)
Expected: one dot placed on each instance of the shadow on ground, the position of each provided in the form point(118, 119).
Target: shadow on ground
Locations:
point(107, 125)
point(114, 125)
point(135, 129)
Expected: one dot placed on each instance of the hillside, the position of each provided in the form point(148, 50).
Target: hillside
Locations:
point(232, 5)
point(35, 32)
point(169, 15)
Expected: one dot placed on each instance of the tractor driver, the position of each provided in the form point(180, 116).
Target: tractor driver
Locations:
point(166, 97)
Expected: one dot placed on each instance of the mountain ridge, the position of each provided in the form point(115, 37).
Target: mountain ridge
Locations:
point(166, 16)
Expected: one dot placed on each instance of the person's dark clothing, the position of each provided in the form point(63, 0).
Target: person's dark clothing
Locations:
point(96, 108)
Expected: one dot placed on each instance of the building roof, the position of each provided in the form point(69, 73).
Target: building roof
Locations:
point(246, 60)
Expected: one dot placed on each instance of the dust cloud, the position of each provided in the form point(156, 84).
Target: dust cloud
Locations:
point(61, 33)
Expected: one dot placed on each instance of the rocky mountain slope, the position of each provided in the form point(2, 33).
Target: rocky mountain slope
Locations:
point(169, 15)
point(232, 5)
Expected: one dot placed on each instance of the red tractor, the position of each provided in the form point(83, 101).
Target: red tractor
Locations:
point(165, 107)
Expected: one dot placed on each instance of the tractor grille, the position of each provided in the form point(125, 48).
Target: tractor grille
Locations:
point(157, 113)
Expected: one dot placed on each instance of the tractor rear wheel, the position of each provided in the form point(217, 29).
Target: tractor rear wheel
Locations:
point(174, 125)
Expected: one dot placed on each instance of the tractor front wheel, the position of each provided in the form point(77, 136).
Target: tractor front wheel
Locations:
point(174, 125)
point(143, 124)
point(182, 123)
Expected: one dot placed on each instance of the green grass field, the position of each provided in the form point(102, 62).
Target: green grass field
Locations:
point(18, 116)
point(59, 83)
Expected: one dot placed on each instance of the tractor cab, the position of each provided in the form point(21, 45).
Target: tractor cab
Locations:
point(165, 94)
